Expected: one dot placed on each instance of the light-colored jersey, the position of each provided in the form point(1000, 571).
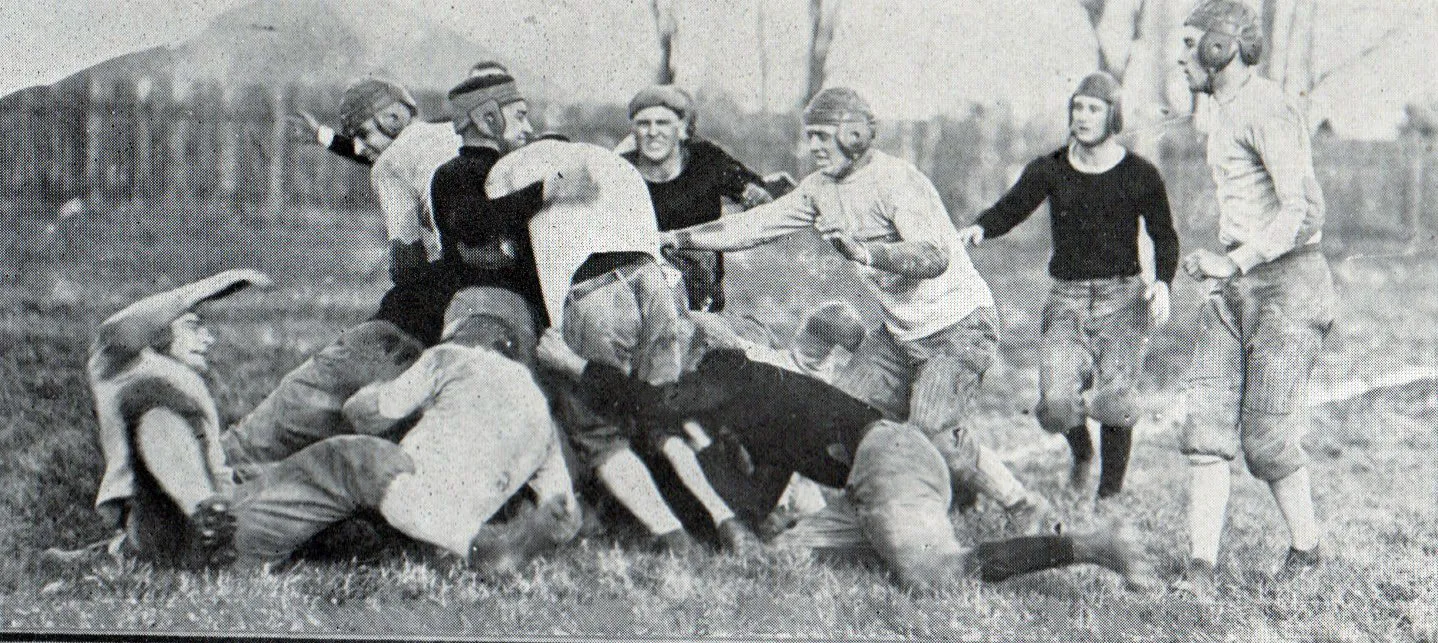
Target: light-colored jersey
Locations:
point(886, 200)
point(485, 432)
point(594, 201)
point(1259, 153)
point(401, 178)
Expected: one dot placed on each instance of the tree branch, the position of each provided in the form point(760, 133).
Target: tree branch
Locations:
point(1380, 42)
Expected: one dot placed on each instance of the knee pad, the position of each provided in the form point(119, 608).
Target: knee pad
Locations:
point(1115, 406)
point(1270, 447)
point(1057, 414)
point(371, 464)
point(400, 347)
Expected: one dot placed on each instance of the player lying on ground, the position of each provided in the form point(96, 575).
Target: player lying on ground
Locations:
point(927, 362)
point(584, 237)
point(896, 484)
point(609, 314)
point(168, 485)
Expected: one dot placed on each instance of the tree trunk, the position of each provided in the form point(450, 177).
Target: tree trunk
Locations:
point(823, 16)
point(761, 18)
point(666, 25)
point(1415, 147)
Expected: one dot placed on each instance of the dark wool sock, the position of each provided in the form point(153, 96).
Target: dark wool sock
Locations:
point(1114, 450)
point(1005, 558)
point(1079, 443)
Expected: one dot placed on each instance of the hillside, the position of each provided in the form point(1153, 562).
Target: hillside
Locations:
point(310, 42)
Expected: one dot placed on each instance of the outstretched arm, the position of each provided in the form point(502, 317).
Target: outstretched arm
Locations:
point(131, 329)
point(328, 138)
point(755, 227)
point(1018, 203)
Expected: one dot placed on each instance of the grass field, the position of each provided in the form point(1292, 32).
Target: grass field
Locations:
point(1373, 463)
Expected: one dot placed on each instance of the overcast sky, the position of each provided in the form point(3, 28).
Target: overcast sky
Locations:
point(912, 59)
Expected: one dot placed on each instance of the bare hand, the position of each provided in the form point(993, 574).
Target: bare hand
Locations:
point(972, 235)
point(554, 352)
point(1206, 264)
point(755, 195)
point(306, 127)
point(848, 246)
point(254, 278)
point(1158, 308)
point(498, 254)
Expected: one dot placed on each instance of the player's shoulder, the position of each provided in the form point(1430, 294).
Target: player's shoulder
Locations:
point(703, 150)
point(1049, 163)
point(1137, 163)
point(1262, 99)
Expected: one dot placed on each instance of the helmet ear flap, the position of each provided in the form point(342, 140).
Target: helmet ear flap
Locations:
point(491, 119)
point(1216, 50)
point(855, 137)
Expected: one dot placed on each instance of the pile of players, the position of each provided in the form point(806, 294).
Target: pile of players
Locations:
point(557, 321)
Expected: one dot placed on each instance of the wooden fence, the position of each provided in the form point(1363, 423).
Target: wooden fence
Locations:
point(112, 140)
point(151, 139)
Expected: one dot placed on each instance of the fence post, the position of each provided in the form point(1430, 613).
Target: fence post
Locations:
point(278, 152)
point(226, 138)
point(180, 114)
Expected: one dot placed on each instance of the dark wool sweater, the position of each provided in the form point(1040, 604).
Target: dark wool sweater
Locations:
point(464, 212)
point(1095, 216)
point(784, 419)
point(692, 197)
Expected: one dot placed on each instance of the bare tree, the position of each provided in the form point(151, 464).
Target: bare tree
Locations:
point(823, 18)
point(1288, 28)
point(761, 18)
point(1118, 27)
point(666, 25)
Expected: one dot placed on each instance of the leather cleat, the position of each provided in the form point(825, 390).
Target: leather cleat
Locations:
point(1198, 581)
point(502, 549)
point(677, 542)
point(211, 534)
point(736, 537)
point(1298, 563)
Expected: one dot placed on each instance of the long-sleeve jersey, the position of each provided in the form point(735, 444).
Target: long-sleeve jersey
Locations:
point(485, 432)
point(1269, 201)
point(401, 178)
point(784, 419)
point(693, 197)
point(885, 201)
point(1095, 217)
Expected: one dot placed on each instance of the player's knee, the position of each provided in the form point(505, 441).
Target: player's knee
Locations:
point(1208, 437)
point(1115, 406)
point(919, 573)
point(836, 323)
point(1059, 412)
point(369, 464)
point(1270, 448)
